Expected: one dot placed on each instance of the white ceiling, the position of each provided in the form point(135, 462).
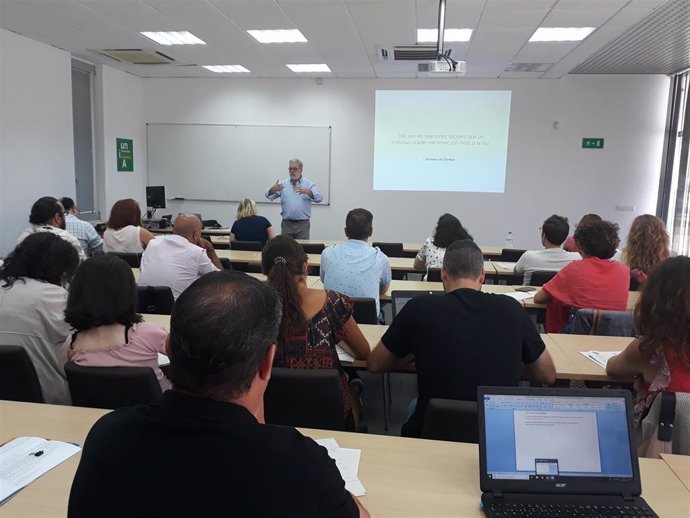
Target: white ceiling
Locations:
point(342, 33)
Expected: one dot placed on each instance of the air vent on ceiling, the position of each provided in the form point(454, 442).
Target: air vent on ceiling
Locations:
point(410, 53)
point(136, 56)
point(528, 67)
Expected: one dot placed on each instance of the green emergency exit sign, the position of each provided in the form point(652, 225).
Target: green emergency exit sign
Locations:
point(593, 143)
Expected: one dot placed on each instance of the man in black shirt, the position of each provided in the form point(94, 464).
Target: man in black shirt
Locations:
point(202, 449)
point(463, 339)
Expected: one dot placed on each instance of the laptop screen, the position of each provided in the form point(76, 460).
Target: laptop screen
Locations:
point(402, 297)
point(556, 438)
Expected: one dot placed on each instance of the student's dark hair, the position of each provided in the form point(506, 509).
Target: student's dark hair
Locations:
point(448, 230)
point(102, 292)
point(220, 329)
point(124, 212)
point(67, 203)
point(281, 260)
point(463, 260)
point(42, 256)
point(597, 239)
point(555, 229)
point(589, 218)
point(358, 224)
point(662, 315)
point(43, 210)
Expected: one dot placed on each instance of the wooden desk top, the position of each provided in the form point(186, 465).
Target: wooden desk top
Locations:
point(503, 267)
point(584, 368)
point(633, 297)
point(680, 465)
point(404, 478)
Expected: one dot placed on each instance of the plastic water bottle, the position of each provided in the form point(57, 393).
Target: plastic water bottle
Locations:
point(509, 240)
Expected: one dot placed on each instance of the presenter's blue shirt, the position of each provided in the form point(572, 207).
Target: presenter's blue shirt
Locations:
point(296, 206)
point(355, 269)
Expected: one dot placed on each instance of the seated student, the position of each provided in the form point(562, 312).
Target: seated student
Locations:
point(647, 246)
point(660, 358)
point(456, 339)
point(202, 449)
point(125, 234)
point(48, 215)
point(447, 231)
point(249, 226)
point(595, 282)
point(84, 231)
point(314, 321)
point(569, 244)
point(353, 267)
point(32, 303)
point(107, 331)
point(554, 230)
point(178, 259)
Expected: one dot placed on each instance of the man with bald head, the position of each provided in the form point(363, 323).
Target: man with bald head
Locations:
point(180, 258)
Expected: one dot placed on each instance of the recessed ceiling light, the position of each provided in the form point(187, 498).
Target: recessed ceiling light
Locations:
point(317, 67)
point(278, 36)
point(431, 35)
point(226, 69)
point(561, 33)
point(174, 38)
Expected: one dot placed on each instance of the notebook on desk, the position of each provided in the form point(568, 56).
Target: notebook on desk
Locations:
point(558, 452)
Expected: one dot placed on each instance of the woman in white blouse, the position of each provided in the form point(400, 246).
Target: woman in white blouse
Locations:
point(448, 230)
point(125, 233)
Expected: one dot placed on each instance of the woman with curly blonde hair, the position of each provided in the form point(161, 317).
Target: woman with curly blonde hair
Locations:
point(647, 246)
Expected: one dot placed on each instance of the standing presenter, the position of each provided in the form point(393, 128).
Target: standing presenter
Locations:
point(296, 194)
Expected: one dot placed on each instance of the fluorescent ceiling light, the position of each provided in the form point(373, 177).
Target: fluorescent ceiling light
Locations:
point(431, 35)
point(278, 36)
point(225, 69)
point(317, 67)
point(561, 33)
point(174, 38)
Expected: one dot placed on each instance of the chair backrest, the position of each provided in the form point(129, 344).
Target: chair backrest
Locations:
point(157, 300)
point(313, 248)
point(133, 260)
point(401, 297)
point(634, 284)
point(111, 387)
point(434, 275)
point(451, 420)
point(18, 378)
point(364, 310)
point(251, 246)
point(511, 255)
point(390, 249)
point(603, 323)
point(311, 398)
point(541, 277)
point(210, 223)
point(668, 421)
point(227, 265)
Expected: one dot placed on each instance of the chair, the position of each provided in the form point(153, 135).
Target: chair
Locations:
point(603, 323)
point(311, 398)
point(157, 300)
point(210, 223)
point(250, 246)
point(227, 265)
point(111, 387)
point(313, 248)
point(434, 275)
point(18, 378)
point(511, 255)
point(133, 260)
point(541, 277)
point(669, 418)
point(364, 310)
point(451, 420)
point(392, 250)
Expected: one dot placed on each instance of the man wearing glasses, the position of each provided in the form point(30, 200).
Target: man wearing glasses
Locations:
point(296, 194)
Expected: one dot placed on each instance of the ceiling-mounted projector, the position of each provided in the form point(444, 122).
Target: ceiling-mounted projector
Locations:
point(443, 68)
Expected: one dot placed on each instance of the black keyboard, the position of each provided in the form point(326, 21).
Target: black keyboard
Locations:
point(527, 510)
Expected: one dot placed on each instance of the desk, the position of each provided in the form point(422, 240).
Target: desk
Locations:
point(584, 368)
point(404, 478)
point(633, 297)
point(680, 465)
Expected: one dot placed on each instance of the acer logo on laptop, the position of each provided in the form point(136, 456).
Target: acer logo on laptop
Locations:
point(560, 484)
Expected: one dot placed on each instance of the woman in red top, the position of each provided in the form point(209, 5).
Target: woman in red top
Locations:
point(660, 358)
point(595, 282)
point(314, 320)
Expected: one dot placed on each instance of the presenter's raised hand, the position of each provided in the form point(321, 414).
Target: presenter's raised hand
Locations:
point(304, 190)
point(277, 187)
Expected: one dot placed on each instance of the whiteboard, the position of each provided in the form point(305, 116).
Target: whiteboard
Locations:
point(219, 162)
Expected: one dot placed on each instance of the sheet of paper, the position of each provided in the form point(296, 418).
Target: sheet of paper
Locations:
point(600, 357)
point(163, 360)
point(24, 459)
point(519, 295)
point(347, 461)
point(343, 356)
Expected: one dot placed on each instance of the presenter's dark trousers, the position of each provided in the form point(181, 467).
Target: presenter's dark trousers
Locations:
point(296, 229)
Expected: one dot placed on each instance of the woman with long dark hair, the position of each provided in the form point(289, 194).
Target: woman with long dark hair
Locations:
point(448, 230)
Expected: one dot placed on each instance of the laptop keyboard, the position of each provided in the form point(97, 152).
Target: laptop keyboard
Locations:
point(526, 510)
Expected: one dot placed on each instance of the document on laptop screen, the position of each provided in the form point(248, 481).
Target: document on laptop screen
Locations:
point(571, 438)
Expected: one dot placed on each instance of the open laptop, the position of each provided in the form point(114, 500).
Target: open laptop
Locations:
point(401, 297)
point(558, 452)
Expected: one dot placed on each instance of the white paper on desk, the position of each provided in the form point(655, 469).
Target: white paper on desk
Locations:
point(505, 266)
point(347, 461)
point(519, 295)
point(343, 356)
point(600, 357)
point(163, 360)
point(19, 466)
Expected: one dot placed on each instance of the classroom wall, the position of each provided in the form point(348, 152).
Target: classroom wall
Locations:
point(36, 138)
point(548, 172)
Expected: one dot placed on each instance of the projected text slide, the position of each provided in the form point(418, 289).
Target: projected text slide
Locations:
point(449, 140)
point(569, 437)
